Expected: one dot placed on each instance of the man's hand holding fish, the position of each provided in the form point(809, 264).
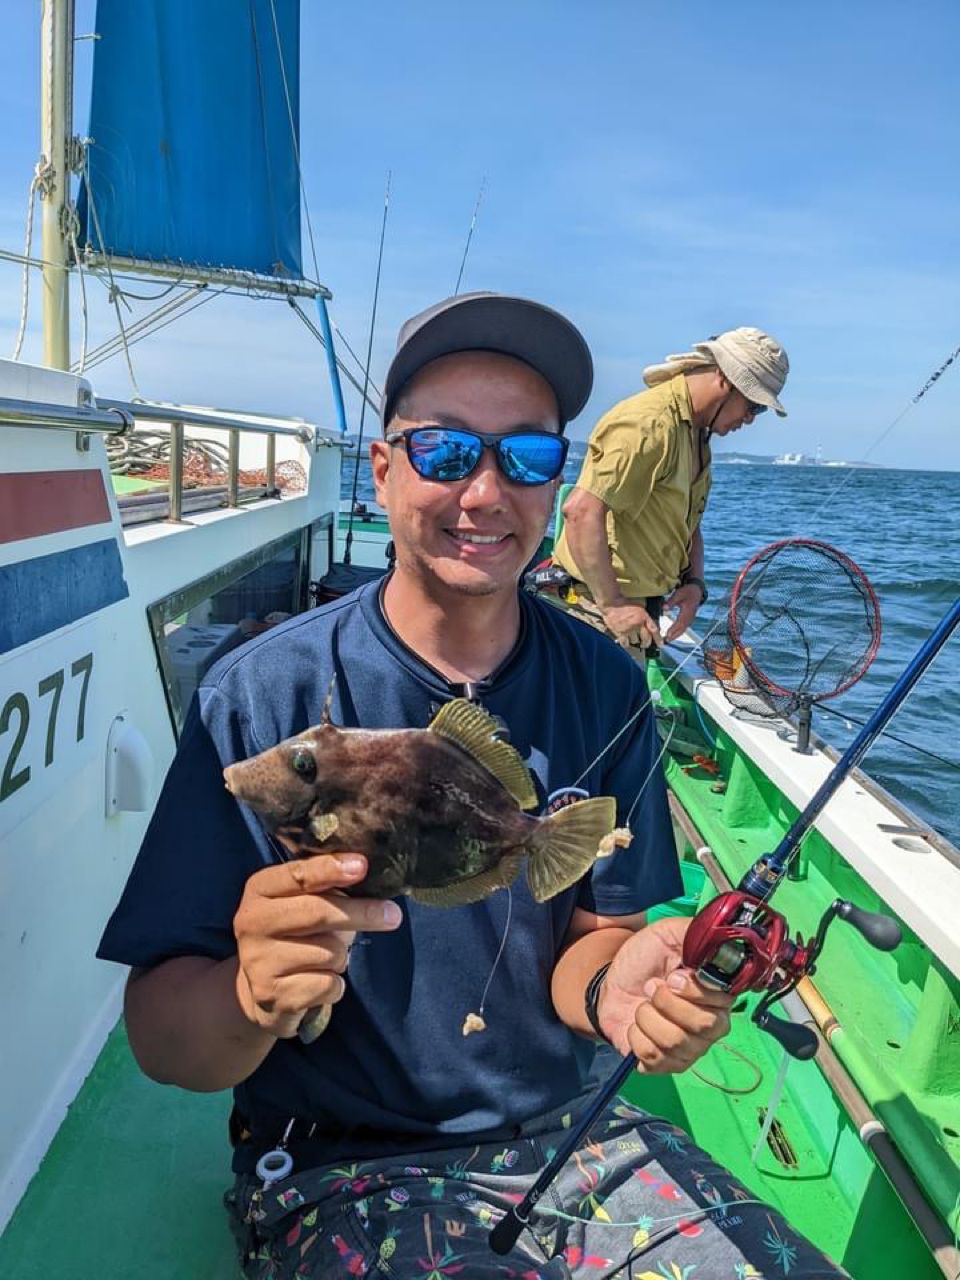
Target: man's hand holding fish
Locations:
point(295, 926)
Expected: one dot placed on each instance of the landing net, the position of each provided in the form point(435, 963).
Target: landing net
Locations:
point(802, 625)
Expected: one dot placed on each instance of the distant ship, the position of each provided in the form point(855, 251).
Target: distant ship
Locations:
point(804, 460)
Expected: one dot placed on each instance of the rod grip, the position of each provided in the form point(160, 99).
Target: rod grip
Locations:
point(506, 1233)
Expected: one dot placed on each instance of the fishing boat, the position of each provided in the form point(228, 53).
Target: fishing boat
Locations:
point(140, 540)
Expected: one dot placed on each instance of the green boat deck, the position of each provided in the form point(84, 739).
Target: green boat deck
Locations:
point(131, 1186)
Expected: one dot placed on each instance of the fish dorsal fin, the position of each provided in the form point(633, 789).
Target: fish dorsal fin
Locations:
point(473, 730)
point(328, 701)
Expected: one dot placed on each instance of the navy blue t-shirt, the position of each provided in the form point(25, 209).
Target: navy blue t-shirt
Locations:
point(393, 1066)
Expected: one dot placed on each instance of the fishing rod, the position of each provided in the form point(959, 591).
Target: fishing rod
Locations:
point(737, 943)
point(366, 375)
point(466, 247)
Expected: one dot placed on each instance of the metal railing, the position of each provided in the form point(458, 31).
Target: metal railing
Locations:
point(149, 411)
point(119, 418)
point(115, 420)
point(235, 424)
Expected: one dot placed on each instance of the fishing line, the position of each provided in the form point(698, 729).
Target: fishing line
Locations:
point(366, 375)
point(773, 883)
point(651, 771)
point(698, 1213)
point(736, 1090)
point(711, 739)
point(652, 696)
point(937, 374)
point(773, 1105)
point(851, 720)
point(479, 1024)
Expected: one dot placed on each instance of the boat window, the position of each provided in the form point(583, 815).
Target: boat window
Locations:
point(200, 622)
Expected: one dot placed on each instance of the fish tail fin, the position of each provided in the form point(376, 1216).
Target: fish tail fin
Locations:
point(567, 843)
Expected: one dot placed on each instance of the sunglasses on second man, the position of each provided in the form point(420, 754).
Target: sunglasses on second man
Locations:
point(753, 408)
point(453, 453)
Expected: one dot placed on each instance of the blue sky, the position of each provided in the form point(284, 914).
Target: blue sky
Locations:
point(657, 171)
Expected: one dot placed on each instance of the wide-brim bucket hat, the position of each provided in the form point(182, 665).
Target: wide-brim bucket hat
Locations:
point(751, 360)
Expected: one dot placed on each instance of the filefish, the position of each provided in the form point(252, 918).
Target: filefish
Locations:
point(439, 812)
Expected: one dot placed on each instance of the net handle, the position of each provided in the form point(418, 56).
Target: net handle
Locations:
point(767, 553)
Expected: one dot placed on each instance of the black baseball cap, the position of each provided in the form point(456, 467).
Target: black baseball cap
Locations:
point(528, 331)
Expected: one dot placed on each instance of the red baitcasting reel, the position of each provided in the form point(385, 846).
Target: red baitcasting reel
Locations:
point(739, 943)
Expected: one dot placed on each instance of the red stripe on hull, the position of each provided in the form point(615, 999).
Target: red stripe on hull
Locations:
point(37, 502)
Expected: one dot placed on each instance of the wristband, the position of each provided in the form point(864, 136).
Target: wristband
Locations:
point(687, 578)
point(591, 999)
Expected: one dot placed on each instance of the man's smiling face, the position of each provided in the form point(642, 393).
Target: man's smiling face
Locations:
point(472, 536)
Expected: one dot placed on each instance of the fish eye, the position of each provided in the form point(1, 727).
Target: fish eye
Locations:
point(303, 763)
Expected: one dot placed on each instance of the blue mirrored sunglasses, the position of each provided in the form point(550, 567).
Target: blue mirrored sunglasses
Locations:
point(452, 453)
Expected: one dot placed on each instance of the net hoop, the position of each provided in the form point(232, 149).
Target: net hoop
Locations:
point(760, 678)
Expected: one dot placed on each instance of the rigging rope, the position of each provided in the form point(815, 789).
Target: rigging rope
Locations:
point(340, 365)
point(115, 290)
point(296, 141)
point(364, 399)
point(356, 359)
point(151, 322)
point(277, 257)
point(25, 285)
point(73, 228)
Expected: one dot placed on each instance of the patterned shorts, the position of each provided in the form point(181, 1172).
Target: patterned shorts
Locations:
point(638, 1200)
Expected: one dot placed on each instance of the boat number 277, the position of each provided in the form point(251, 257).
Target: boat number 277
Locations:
point(17, 711)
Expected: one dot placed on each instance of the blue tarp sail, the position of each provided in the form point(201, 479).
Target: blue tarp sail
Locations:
point(195, 127)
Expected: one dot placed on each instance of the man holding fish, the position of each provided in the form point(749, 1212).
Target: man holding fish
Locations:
point(376, 866)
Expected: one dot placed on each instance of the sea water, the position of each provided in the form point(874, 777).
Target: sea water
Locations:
point(903, 529)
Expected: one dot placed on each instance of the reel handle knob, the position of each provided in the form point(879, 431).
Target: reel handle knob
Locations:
point(799, 1041)
point(880, 931)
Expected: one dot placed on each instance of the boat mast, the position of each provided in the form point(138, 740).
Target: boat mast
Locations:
point(55, 67)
